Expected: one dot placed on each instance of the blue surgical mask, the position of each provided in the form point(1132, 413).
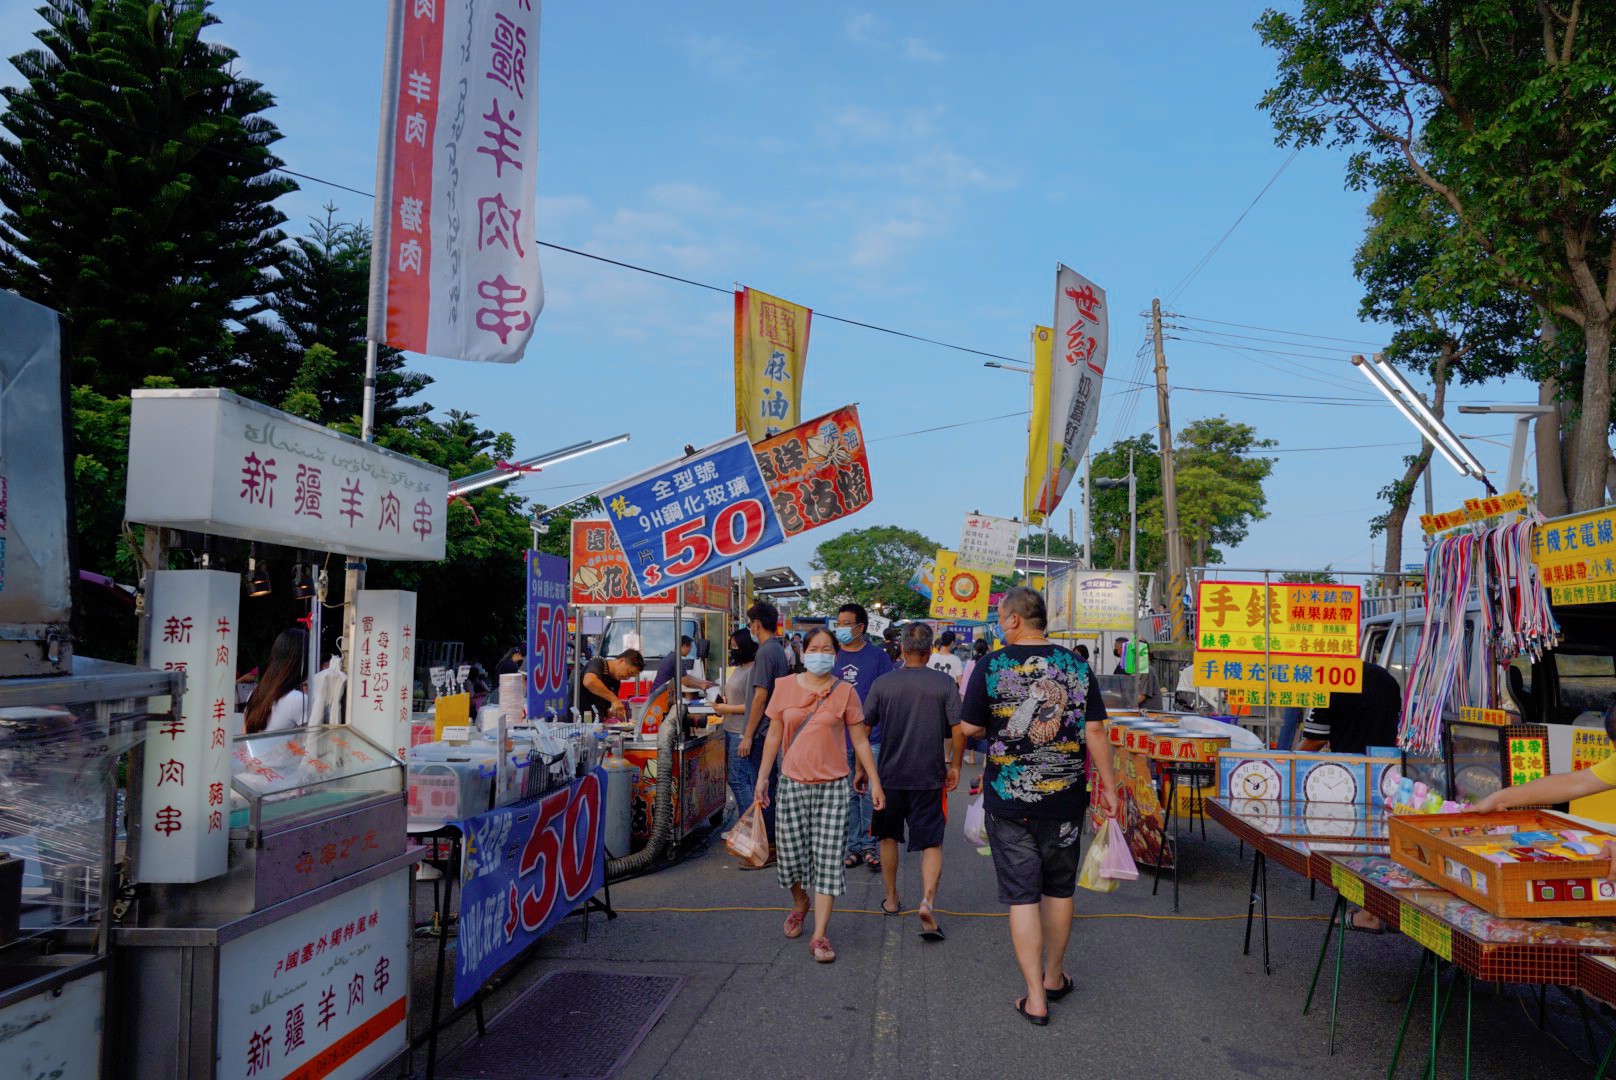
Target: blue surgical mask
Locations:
point(819, 663)
point(844, 634)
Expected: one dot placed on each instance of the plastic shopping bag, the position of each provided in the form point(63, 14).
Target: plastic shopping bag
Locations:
point(976, 823)
point(1090, 876)
point(1116, 863)
point(748, 841)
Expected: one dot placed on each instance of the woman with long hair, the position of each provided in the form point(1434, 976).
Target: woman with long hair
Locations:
point(809, 713)
point(277, 700)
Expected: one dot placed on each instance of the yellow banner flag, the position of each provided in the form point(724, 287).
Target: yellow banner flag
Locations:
point(771, 348)
point(1039, 454)
point(958, 593)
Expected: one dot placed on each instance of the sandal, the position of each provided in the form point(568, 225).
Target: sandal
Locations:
point(891, 914)
point(822, 951)
point(1354, 925)
point(851, 861)
point(873, 861)
point(933, 932)
point(1035, 1021)
point(1057, 994)
point(794, 923)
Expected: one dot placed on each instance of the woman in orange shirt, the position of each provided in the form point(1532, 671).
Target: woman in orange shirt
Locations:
point(808, 714)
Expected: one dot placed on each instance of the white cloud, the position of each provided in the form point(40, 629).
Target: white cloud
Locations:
point(879, 244)
point(916, 49)
point(719, 56)
point(868, 30)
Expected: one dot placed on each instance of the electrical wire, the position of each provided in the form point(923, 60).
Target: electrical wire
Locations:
point(1195, 270)
point(1331, 351)
point(1272, 330)
point(1283, 366)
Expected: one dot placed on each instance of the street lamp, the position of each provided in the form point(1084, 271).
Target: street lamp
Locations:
point(1132, 484)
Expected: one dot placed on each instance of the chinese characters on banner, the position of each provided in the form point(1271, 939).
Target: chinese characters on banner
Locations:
point(185, 793)
point(546, 635)
point(323, 992)
point(382, 675)
point(771, 349)
point(690, 516)
point(1576, 557)
point(270, 476)
point(959, 593)
point(1071, 401)
point(1282, 645)
point(817, 472)
point(454, 267)
point(1103, 600)
point(526, 867)
point(1475, 510)
point(600, 570)
point(989, 543)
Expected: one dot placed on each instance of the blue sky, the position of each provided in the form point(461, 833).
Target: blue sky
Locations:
point(922, 170)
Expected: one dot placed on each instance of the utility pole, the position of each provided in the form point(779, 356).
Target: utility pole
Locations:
point(1176, 560)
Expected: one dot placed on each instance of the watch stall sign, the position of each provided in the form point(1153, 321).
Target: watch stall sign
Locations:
point(383, 670)
point(546, 635)
point(1576, 557)
point(817, 472)
point(958, 593)
point(185, 794)
point(600, 570)
point(321, 993)
point(212, 462)
point(989, 543)
point(691, 516)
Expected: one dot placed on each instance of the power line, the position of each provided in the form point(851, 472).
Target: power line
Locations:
point(1272, 330)
point(1198, 267)
point(1329, 352)
point(946, 427)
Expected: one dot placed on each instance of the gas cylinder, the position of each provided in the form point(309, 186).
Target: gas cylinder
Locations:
point(621, 776)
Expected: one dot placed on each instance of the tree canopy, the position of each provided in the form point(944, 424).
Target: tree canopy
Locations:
point(873, 566)
point(1501, 111)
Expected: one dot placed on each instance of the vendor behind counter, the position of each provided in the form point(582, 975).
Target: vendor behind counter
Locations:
point(602, 679)
point(687, 681)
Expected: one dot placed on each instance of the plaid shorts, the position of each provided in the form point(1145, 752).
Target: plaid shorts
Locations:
point(810, 835)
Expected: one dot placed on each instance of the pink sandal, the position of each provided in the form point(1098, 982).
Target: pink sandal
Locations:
point(822, 951)
point(794, 923)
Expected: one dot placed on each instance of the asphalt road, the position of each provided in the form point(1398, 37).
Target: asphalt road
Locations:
point(1157, 994)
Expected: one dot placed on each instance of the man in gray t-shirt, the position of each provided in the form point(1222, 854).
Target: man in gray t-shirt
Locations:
point(771, 664)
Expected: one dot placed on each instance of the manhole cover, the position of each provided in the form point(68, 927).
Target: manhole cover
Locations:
point(582, 1025)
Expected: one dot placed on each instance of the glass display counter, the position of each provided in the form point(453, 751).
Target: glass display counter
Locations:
point(62, 739)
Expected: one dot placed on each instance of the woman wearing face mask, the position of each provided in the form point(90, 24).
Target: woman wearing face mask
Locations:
point(731, 706)
point(810, 713)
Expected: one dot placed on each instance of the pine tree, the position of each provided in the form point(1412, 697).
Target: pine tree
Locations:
point(136, 189)
point(319, 298)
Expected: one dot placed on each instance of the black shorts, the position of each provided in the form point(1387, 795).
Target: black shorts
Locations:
point(925, 811)
point(1034, 857)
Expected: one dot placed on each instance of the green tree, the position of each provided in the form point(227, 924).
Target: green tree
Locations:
point(1441, 326)
point(320, 298)
point(136, 187)
point(1110, 526)
point(1500, 109)
point(1309, 577)
point(873, 566)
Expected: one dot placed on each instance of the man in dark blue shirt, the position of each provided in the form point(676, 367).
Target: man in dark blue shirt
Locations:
point(860, 662)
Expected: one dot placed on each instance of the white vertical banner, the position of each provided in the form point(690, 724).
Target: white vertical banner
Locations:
point(454, 267)
point(1082, 333)
point(185, 786)
point(382, 675)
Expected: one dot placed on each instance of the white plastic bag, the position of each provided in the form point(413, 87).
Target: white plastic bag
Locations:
point(976, 823)
point(1089, 875)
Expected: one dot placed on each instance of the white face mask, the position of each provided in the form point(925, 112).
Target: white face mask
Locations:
point(819, 663)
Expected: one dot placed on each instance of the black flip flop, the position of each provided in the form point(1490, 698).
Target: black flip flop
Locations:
point(1035, 1021)
point(1056, 995)
point(935, 933)
point(891, 914)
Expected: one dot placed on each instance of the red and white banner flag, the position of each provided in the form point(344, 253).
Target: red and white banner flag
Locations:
point(454, 267)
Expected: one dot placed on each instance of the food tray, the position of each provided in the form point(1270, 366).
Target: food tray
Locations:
point(1498, 871)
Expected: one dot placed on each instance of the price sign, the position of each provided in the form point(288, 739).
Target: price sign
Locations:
point(692, 515)
point(546, 635)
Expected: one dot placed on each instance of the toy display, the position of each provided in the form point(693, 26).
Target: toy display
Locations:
point(1520, 864)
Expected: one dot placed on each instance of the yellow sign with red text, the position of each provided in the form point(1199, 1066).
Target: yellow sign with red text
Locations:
point(958, 593)
point(1275, 674)
point(1298, 620)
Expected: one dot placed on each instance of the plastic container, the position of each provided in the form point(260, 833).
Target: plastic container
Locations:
point(449, 783)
